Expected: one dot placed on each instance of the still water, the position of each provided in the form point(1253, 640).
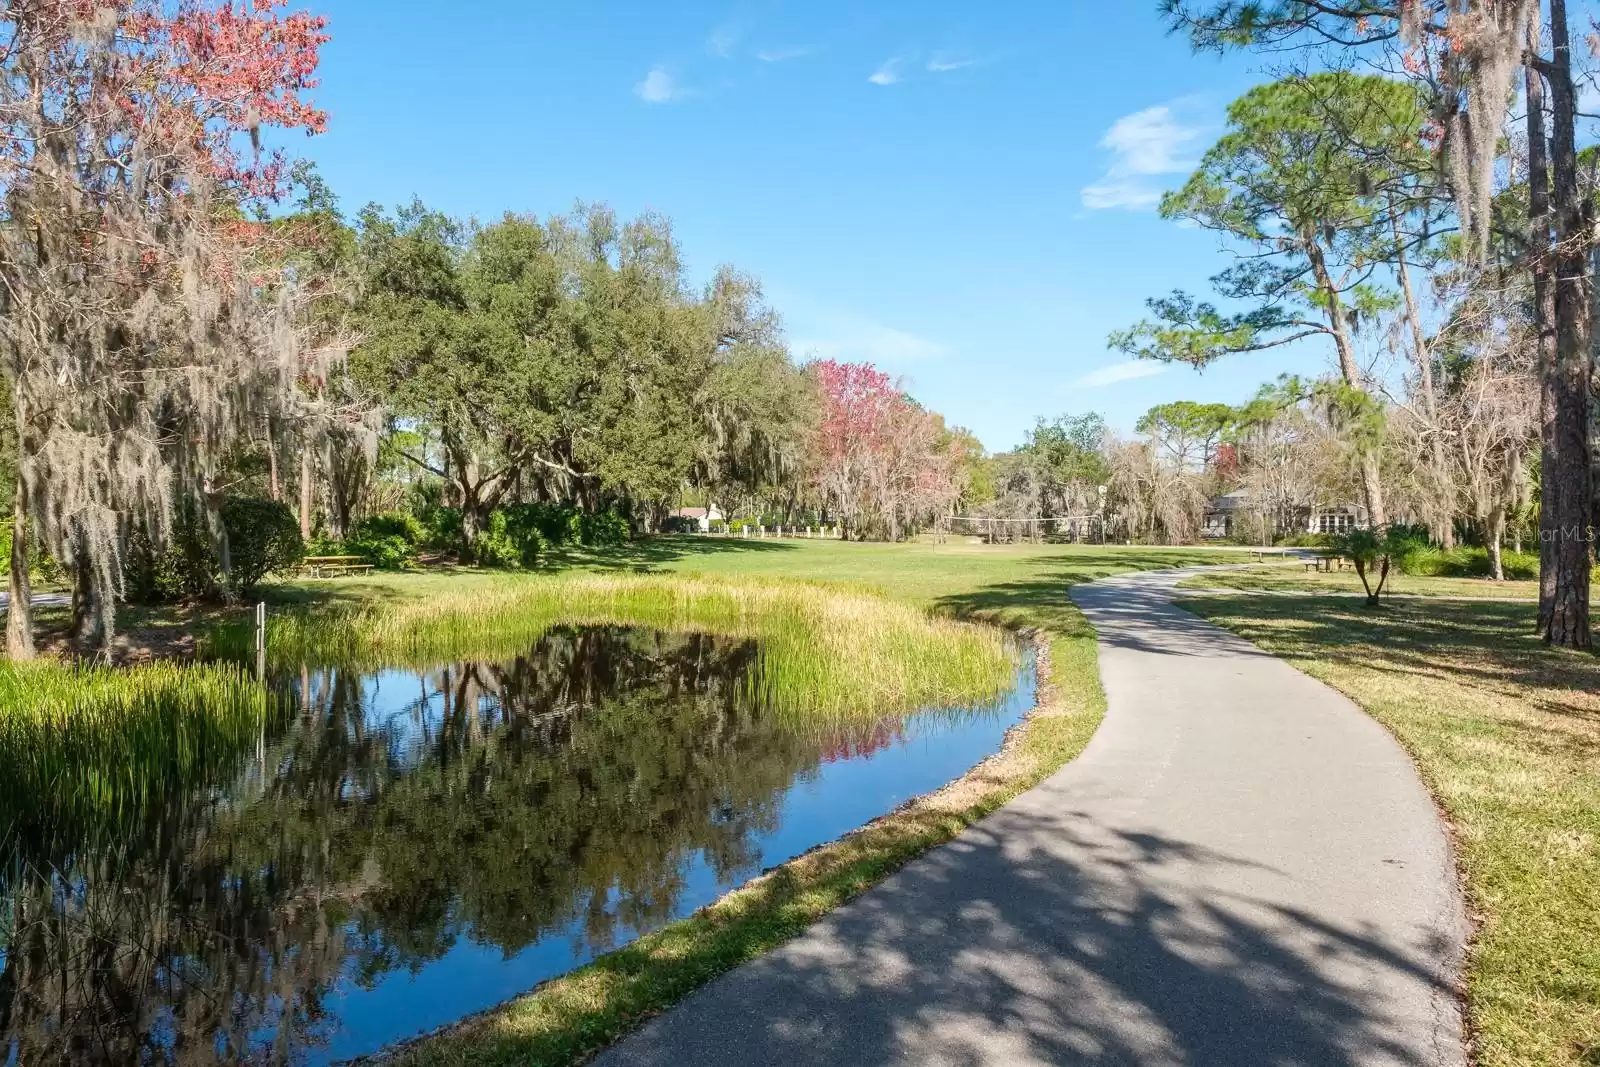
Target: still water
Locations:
point(408, 847)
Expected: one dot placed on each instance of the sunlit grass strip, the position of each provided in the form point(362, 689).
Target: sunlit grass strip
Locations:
point(566, 1020)
point(826, 652)
point(85, 749)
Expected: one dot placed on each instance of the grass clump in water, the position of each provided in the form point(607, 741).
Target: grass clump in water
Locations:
point(825, 652)
point(85, 749)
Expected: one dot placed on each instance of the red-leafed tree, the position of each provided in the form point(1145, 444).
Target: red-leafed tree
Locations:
point(137, 336)
point(882, 463)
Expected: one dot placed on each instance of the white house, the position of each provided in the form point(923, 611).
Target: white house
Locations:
point(1224, 514)
point(701, 517)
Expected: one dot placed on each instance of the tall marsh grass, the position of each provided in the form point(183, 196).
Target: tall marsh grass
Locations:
point(85, 749)
point(825, 652)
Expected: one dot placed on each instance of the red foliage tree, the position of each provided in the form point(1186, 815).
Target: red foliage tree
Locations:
point(883, 463)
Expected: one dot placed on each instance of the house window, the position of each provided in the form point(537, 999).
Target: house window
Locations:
point(1330, 523)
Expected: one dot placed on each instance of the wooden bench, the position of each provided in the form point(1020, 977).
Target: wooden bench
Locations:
point(333, 566)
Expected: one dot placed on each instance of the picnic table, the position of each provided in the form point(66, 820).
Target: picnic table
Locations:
point(333, 566)
point(1327, 564)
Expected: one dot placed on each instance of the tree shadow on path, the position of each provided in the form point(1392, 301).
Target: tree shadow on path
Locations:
point(1100, 947)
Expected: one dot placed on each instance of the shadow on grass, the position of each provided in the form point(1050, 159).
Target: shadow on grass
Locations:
point(650, 553)
point(1491, 644)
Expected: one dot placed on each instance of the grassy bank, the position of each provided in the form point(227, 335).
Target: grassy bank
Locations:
point(825, 652)
point(1023, 587)
point(1507, 735)
point(1294, 578)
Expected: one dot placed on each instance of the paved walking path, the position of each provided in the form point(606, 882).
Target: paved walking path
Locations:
point(1241, 870)
point(39, 600)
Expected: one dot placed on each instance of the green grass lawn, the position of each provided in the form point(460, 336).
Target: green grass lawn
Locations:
point(1295, 578)
point(1507, 735)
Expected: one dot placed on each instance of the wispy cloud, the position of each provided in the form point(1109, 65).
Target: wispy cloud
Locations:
point(659, 87)
point(887, 74)
point(1116, 373)
point(780, 55)
point(943, 63)
point(1144, 146)
point(862, 340)
point(723, 40)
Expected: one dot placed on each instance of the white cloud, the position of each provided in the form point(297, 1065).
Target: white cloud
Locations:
point(659, 87)
point(1116, 373)
point(779, 55)
point(722, 41)
point(943, 64)
point(887, 74)
point(1144, 146)
point(857, 340)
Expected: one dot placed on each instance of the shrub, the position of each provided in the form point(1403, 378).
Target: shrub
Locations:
point(186, 569)
point(512, 538)
point(443, 528)
point(263, 538)
point(556, 524)
point(401, 524)
point(1410, 550)
point(385, 552)
point(604, 528)
point(1472, 561)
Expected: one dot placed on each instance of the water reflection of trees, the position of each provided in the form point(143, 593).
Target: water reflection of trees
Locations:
point(557, 794)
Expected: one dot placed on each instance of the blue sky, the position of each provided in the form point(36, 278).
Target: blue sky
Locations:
point(962, 194)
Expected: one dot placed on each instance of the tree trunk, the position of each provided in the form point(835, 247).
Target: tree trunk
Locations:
point(224, 547)
point(19, 615)
point(90, 633)
point(78, 627)
point(308, 494)
point(274, 483)
point(1568, 491)
point(1544, 310)
point(1371, 477)
point(1496, 536)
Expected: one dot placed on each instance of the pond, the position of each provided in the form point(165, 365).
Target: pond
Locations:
point(407, 847)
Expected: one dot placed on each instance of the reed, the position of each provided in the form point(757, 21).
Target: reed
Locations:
point(826, 652)
point(86, 749)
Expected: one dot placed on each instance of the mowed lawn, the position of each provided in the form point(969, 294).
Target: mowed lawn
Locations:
point(1507, 735)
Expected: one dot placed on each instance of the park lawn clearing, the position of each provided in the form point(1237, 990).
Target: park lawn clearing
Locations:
point(1294, 578)
point(1506, 733)
point(1023, 588)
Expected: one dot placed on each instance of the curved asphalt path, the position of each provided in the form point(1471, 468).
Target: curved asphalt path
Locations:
point(1241, 869)
point(39, 600)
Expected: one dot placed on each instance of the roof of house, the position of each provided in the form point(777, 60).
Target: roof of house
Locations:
point(1230, 501)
